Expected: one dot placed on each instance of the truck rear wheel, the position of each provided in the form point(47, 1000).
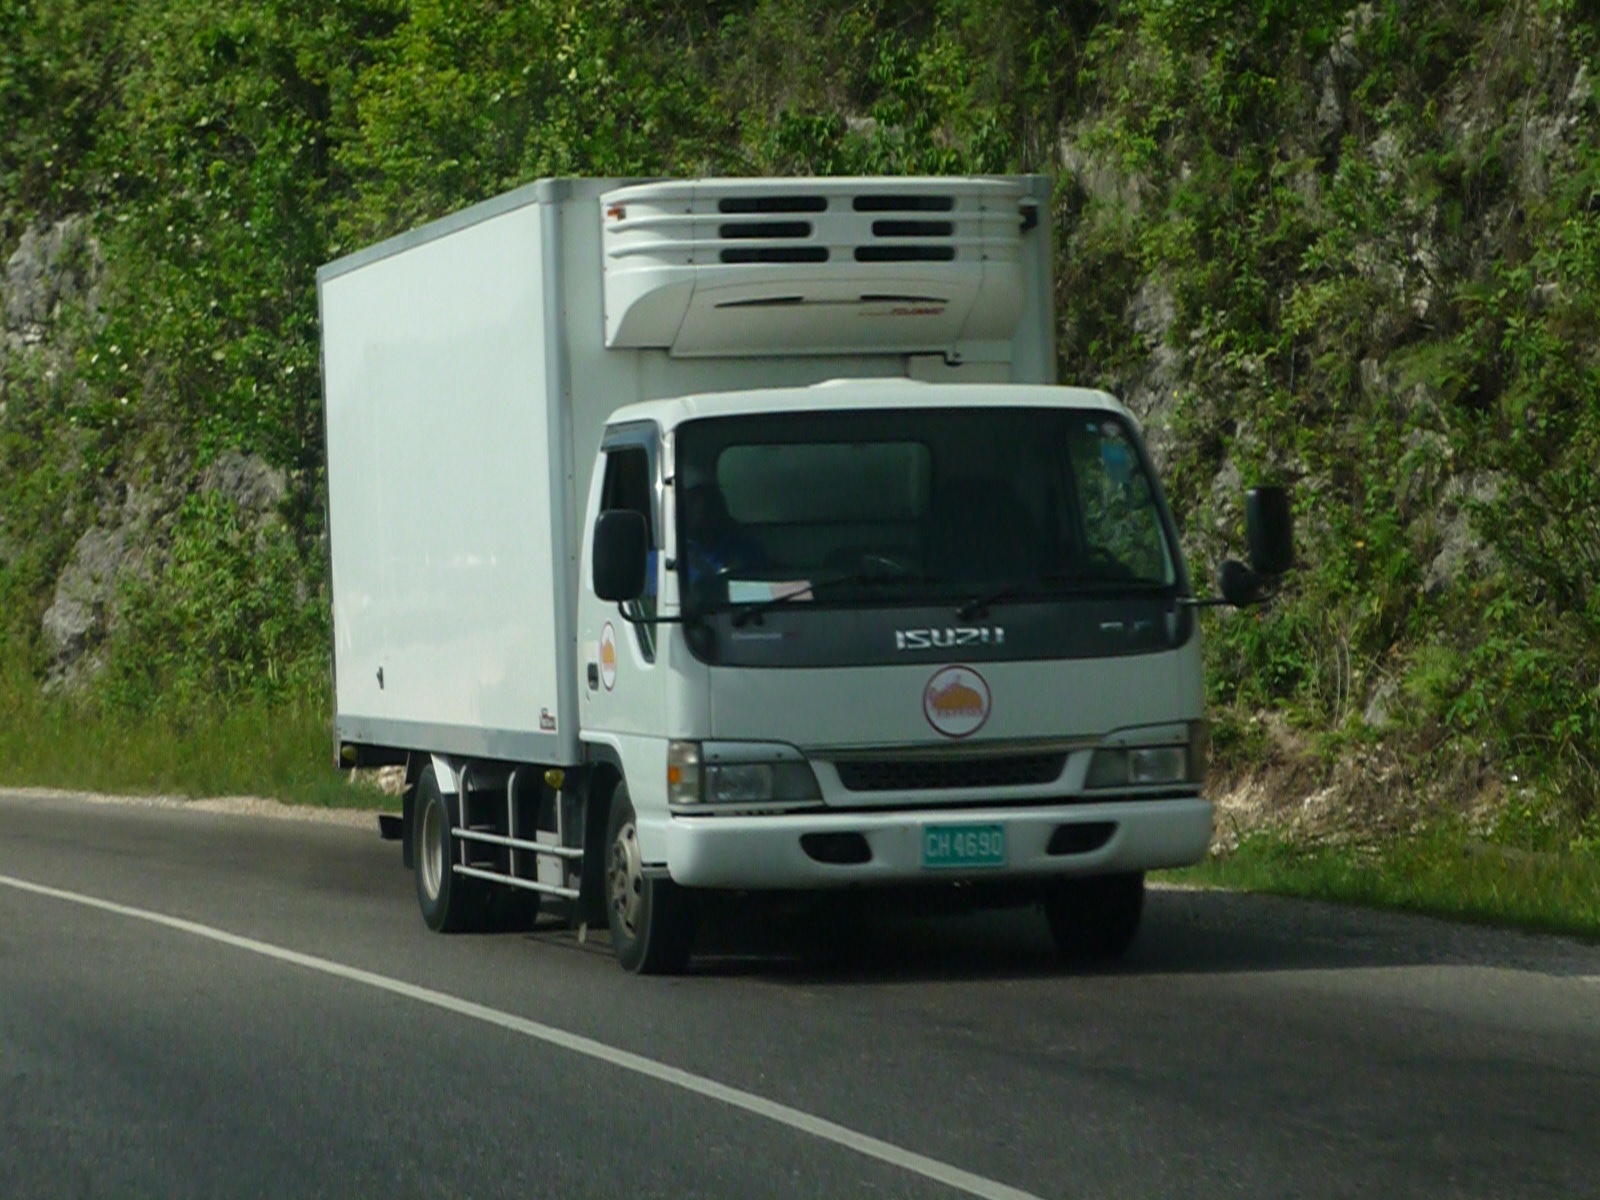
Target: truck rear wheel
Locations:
point(1095, 919)
point(449, 902)
point(652, 919)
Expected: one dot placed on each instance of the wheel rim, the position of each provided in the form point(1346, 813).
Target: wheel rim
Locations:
point(432, 851)
point(625, 879)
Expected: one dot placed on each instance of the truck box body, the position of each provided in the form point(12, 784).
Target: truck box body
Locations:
point(470, 365)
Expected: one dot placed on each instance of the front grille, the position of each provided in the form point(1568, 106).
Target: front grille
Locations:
point(927, 774)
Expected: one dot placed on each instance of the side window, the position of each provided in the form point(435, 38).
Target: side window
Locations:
point(627, 486)
point(1123, 535)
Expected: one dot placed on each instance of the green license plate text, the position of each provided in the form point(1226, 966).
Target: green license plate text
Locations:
point(963, 846)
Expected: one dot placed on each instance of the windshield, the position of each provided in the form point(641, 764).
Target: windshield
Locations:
point(915, 506)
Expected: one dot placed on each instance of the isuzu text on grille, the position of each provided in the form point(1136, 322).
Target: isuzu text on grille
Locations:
point(944, 639)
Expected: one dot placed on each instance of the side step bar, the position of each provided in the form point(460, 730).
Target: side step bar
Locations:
point(531, 885)
point(541, 849)
point(548, 855)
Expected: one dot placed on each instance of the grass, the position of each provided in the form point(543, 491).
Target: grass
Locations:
point(1443, 871)
point(252, 748)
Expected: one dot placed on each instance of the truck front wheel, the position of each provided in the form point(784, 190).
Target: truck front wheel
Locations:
point(449, 902)
point(652, 919)
point(1095, 919)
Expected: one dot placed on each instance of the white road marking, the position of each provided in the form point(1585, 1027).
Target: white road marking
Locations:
point(818, 1127)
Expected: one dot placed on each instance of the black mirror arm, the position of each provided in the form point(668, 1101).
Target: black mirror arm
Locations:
point(623, 612)
point(1265, 594)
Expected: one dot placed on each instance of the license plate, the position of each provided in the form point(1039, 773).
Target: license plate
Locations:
point(963, 846)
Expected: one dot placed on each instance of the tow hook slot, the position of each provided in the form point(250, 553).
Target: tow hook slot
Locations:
point(839, 849)
point(1082, 838)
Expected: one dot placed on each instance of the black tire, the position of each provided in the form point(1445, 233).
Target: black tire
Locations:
point(652, 919)
point(593, 904)
point(449, 902)
point(1095, 919)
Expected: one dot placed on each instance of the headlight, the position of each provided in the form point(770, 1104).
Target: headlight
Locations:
point(741, 776)
point(760, 783)
point(683, 772)
point(1150, 766)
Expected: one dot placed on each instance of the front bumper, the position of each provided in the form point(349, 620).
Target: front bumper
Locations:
point(760, 852)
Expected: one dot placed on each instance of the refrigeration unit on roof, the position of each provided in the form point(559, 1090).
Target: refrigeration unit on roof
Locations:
point(724, 267)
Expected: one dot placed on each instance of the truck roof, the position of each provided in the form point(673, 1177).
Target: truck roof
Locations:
point(836, 395)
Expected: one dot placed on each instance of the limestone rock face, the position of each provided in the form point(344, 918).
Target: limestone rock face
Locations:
point(84, 594)
point(1462, 553)
point(251, 482)
point(51, 266)
point(53, 271)
point(124, 543)
point(1152, 392)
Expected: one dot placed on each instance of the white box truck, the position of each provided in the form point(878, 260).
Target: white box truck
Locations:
point(730, 535)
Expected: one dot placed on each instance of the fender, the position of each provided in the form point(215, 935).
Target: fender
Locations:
point(642, 762)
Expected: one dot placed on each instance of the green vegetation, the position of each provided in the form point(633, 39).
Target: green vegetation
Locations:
point(1444, 871)
point(248, 748)
point(1352, 247)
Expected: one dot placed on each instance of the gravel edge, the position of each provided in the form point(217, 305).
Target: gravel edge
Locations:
point(235, 806)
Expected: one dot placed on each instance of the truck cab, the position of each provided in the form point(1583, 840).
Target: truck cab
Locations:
point(886, 633)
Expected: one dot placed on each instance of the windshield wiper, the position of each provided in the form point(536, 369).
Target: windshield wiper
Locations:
point(1061, 584)
point(885, 571)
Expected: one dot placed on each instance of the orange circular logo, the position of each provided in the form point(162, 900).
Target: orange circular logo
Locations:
point(956, 701)
point(608, 656)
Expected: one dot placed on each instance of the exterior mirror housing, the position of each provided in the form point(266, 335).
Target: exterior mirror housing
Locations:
point(621, 549)
point(1238, 584)
point(1270, 530)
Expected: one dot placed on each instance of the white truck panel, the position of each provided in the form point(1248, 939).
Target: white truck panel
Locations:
point(447, 561)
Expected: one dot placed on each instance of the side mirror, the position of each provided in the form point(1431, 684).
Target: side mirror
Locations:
point(1269, 528)
point(1238, 584)
point(621, 548)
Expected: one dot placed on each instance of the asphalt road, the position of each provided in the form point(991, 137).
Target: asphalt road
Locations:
point(195, 1004)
